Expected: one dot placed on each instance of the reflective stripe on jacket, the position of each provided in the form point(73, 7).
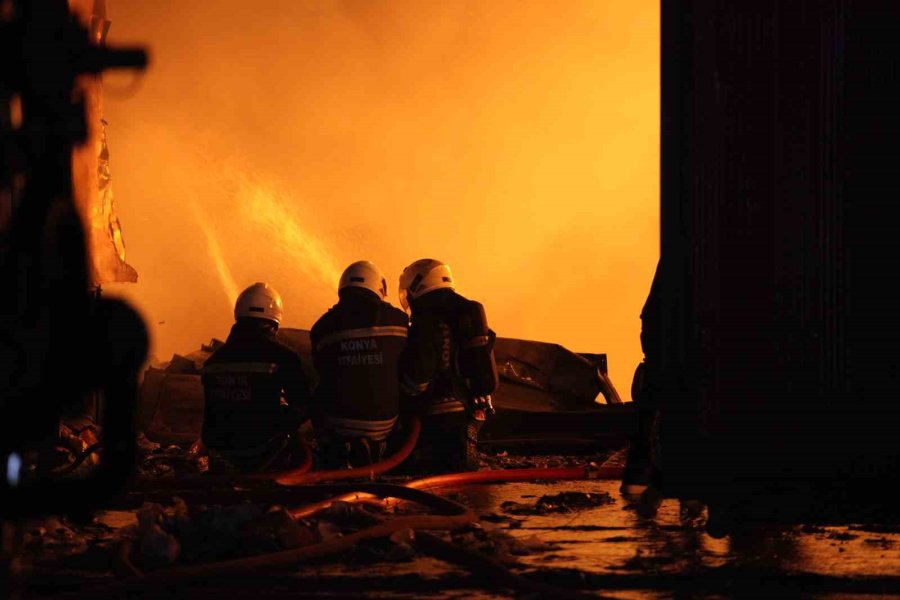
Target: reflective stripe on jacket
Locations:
point(243, 385)
point(356, 352)
point(449, 355)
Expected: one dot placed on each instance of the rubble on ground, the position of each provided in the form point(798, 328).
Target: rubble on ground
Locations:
point(568, 527)
point(58, 544)
point(185, 534)
point(504, 460)
point(166, 535)
point(563, 502)
point(489, 540)
point(154, 460)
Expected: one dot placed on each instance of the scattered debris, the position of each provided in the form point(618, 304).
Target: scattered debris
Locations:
point(881, 542)
point(495, 518)
point(878, 528)
point(813, 529)
point(647, 563)
point(495, 542)
point(504, 460)
point(156, 461)
point(564, 502)
point(393, 549)
point(55, 544)
point(610, 546)
point(182, 534)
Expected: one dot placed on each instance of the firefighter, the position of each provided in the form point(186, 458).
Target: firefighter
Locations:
point(639, 465)
point(643, 478)
point(356, 348)
point(256, 394)
point(448, 371)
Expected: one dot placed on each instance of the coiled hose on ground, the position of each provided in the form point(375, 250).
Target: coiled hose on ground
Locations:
point(472, 477)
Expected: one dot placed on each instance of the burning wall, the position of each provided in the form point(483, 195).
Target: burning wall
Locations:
point(91, 173)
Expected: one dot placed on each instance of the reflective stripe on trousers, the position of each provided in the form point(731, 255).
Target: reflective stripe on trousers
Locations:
point(445, 406)
point(377, 431)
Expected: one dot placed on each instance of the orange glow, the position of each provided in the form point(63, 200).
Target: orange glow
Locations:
point(516, 141)
point(226, 279)
point(298, 248)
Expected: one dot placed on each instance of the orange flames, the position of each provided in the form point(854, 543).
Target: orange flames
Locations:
point(516, 141)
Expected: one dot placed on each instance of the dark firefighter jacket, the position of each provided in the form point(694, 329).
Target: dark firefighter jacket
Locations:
point(243, 383)
point(647, 376)
point(356, 348)
point(449, 356)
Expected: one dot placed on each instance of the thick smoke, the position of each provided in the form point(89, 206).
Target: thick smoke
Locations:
point(282, 140)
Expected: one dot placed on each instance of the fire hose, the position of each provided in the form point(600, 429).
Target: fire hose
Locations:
point(284, 558)
point(472, 477)
point(589, 471)
point(300, 475)
point(82, 456)
point(305, 465)
point(297, 477)
point(456, 515)
point(497, 573)
point(459, 516)
point(490, 568)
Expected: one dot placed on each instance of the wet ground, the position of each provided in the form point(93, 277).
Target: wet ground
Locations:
point(609, 547)
point(576, 535)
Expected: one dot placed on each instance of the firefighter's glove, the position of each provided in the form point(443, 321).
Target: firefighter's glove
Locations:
point(483, 404)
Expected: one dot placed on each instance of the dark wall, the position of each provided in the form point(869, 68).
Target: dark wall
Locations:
point(780, 243)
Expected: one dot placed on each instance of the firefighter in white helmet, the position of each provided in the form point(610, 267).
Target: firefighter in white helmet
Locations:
point(356, 348)
point(256, 393)
point(448, 372)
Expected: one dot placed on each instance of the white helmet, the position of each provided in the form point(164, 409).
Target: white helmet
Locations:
point(259, 301)
point(421, 277)
point(366, 275)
